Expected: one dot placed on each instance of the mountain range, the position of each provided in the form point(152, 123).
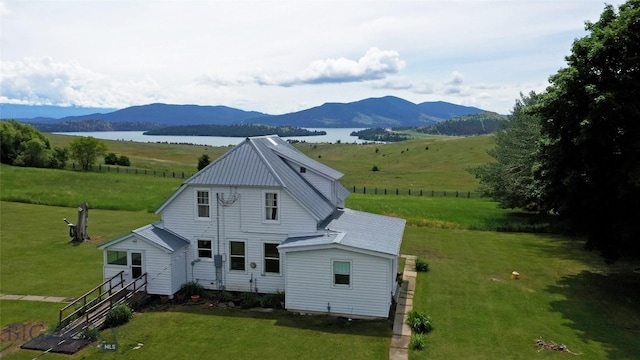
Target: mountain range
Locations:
point(388, 111)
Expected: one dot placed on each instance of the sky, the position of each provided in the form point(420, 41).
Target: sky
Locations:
point(278, 57)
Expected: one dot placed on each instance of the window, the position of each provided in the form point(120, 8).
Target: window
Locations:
point(271, 206)
point(136, 265)
point(203, 203)
point(341, 273)
point(271, 259)
point(236, 255)
point(303, 169)
point(116, 257)
point(204, 249)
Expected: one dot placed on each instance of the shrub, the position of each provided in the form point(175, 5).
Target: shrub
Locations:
point(111, 159)
point(203, 161)
point(124, 161)
point(375, 168)
point(422, 265)
point(249, 300)
point(272, 300)
point(118, 315)
point(191, 288)
point(419, 322)
point(225, 296)
point(417, 342)
point(90, 334)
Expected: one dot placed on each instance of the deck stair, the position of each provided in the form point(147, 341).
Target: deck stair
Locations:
point(89, 312)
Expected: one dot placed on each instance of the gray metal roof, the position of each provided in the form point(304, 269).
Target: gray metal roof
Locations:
point(358, 230)
point(260, 161)
point(155, 234)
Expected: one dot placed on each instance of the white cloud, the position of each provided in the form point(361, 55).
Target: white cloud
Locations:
point(281, 56)
point(43, 81)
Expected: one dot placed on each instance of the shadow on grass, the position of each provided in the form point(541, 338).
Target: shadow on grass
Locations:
point(320, 323)
point(602, 308)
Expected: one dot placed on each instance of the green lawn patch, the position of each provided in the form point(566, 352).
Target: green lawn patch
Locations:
point(37, 257)
point(564, 294)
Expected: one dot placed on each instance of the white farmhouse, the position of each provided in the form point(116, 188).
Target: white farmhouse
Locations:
point(264, 217)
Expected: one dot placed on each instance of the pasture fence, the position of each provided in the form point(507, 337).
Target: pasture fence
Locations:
point(354, 189)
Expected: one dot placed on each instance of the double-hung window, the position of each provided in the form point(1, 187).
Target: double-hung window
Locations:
point(271, 206)
point(342, 273)
point(237, 255)
point(204, 249)
point(271, 258)
point(203, 202)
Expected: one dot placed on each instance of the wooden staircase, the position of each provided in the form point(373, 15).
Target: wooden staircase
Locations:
point(89, 312)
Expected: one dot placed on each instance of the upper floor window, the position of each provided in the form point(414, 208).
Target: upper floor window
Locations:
point(203, 204)
point(204, 249)
point(271, 206)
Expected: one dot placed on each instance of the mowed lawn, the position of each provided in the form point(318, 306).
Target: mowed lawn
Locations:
point(564, 294)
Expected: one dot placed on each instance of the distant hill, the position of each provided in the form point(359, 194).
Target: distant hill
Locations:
point(388, 111)
point(382, 112)
point(467, 125)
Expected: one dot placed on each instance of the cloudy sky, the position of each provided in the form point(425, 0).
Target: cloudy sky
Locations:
point(284, 56)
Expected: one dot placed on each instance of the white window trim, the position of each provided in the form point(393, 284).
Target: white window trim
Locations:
point(264, 206)
point(245, 257)
point(196, 205)
point(333, 275)
point(264, 260)
point(197, 250)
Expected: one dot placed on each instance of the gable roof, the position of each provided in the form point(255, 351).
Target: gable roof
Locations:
point(154, 234)
point(260, 161)
point(355, 230)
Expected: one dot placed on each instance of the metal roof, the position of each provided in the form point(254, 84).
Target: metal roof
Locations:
point(155, 234)
point(260, 161)
point(358, 230)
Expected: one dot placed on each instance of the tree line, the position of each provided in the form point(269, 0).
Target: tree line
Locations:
point(574, 149)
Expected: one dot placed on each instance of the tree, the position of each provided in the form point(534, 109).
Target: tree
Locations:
point(24, 145)
point(86, 149)
point(203, 161)
point(591, 131)
point(510, 179)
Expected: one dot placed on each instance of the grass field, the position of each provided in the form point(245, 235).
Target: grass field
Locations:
point(564, 294)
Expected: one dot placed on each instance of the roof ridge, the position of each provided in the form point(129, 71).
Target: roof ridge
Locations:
point(265, 162)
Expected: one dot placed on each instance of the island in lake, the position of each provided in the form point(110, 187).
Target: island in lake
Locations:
point(243, 130)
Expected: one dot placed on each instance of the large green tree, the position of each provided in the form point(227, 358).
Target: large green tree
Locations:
point(23, 145)
point(591, 133)
point(510, 179)
point(87, 149)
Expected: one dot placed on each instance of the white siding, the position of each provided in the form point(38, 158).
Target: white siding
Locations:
point(293, 217)
point(156, 263)
point(309, 283)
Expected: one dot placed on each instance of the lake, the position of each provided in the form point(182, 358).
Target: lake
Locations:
point(333, 135)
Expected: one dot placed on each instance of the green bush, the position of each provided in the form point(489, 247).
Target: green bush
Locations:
point(191, 288)
point(225, 296)
point(417, 342)
point(118, 315)
point(422, 265)
point(111, 159)
point(272, 300)
point(124, 161)
point(90, 334)
point(249, 300)
point(419, 322)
